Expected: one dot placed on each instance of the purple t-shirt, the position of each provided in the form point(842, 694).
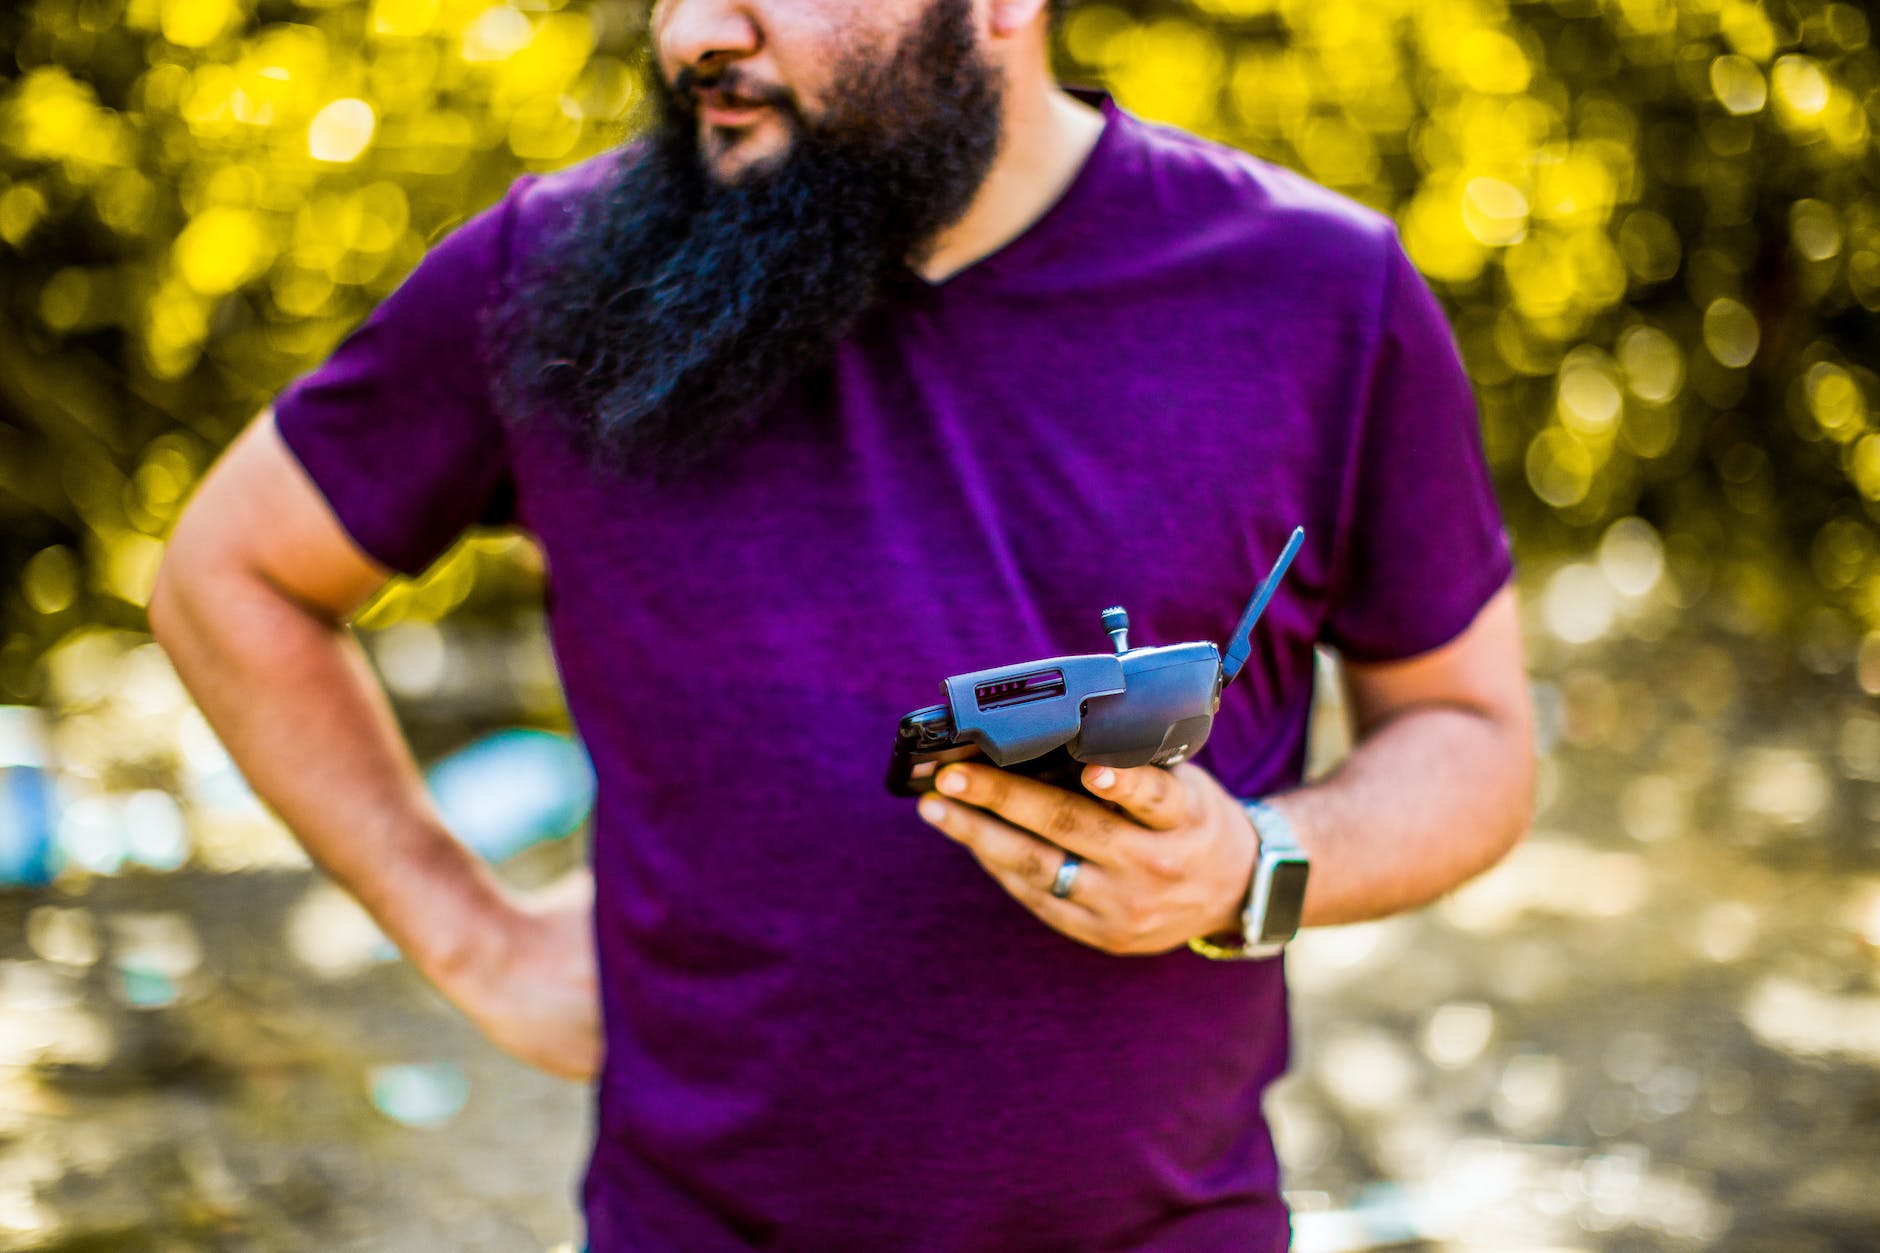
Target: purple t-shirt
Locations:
point(826, 1027)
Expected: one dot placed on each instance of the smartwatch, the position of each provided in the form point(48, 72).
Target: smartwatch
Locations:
point(1276, 896)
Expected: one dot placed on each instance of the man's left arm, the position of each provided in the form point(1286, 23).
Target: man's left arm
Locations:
point(1439, 784)
point(1437, 787)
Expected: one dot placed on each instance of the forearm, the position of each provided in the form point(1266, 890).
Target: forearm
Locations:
point(1426, 801)
point(295, 703)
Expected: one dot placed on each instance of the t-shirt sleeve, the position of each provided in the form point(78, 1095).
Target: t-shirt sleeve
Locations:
point(397, 428)
point(1422, 543)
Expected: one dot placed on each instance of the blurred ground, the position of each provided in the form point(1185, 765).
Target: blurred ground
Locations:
point(1655, 1027)
point(252, 1110)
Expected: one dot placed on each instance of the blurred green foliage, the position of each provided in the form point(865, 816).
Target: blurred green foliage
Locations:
point(1656, 222)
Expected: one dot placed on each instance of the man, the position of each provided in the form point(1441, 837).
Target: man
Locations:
point(884, 358)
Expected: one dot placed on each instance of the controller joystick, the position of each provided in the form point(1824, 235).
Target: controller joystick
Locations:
point(1116, 622)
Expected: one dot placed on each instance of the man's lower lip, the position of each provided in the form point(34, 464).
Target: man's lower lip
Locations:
point(731, 115)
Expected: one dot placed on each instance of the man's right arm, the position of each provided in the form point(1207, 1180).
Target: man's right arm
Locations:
point(251, 604)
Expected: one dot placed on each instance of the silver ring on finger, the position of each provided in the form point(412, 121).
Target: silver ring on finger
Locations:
point(1066, 876)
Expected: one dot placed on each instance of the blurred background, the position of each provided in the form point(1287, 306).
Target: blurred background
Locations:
point(1656, 224)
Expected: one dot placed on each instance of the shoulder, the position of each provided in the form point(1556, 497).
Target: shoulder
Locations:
point(1213, 177)
point(542, 203)
point(560, 190)
point(487, 245)
point(1246, 205)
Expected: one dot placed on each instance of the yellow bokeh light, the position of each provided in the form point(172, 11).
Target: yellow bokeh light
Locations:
point(499, 32)
point(161, 88)
point(209, 103)
point(403, 18)
point(1815, 229)
point(221, 249)
point(1271, 91)
point(300, 293)
point(1845, 123)
point(1488, 133)
point(341, 131)
point(1587, 397)
point(1653, 365)
point(1572, 185)
point(558, 47)
point(404, 77)
point(1835, 400)
point(129, 569)
point(50, 113)
point(1599, 273)
point(197, 23)
point(325, 229)
point(545, 129)
point(1337, 153)
point(1238, 8)
point(285, 72)
point(1747, 30)
point(65, 298)
point(1841, 552)
point(1649, 430)
point(50, 580)
point(1171, 73)
point(22, 206)
point(384, 214)
point(125, 201)
point(1863, 466)
point(55, 117)
point(1649, 246)
point(1801, 89)
point(1559, 467)
point(1730, 332)
point(1650, 17)
point(1494, 212)
point(1540, 277)
point(1093, 33)
point(1492, 62)
point(1434, 237)
point(1738, 84)
point(238, 185)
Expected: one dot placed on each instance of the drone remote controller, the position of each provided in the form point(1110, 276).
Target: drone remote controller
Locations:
point(1144, 706)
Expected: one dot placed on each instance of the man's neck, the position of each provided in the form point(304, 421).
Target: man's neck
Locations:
point(1047, 135)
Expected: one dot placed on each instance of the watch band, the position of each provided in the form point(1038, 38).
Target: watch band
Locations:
point(1269, 917)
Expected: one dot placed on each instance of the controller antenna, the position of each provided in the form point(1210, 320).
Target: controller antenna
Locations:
point(1240, 643)
point(1116, 622)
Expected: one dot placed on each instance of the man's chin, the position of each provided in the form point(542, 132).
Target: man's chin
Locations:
point(734, 154)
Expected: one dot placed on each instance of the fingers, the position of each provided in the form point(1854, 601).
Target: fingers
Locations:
point(1153, 796)
point(1065, 818)
point(1024, 865)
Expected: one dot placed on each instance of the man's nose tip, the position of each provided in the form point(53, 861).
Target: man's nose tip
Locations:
point(704, 33)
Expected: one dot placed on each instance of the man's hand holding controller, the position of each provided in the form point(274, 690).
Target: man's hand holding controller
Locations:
point(1069, 779)
point(1170, 861)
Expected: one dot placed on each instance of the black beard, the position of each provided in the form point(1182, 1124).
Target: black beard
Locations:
point(672, 309)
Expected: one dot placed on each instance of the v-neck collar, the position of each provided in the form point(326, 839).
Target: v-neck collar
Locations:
point(1047, 224)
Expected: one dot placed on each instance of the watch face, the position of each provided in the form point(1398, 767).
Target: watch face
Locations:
point(1285, 897)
